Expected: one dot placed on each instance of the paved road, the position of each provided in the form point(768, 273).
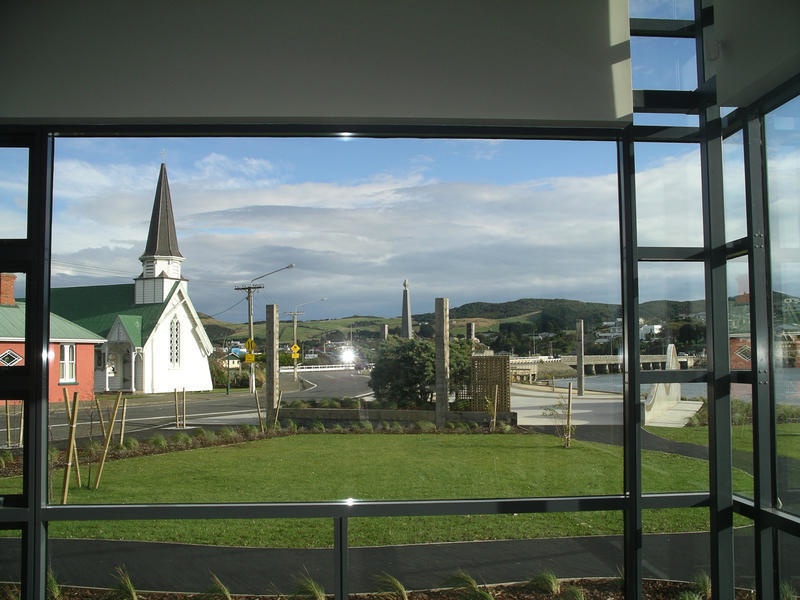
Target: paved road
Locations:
point(180, 567)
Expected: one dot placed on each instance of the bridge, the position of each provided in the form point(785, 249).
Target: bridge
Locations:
point(337, 367)
point(525, 368)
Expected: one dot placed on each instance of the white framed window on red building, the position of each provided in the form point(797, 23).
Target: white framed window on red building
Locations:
point(66, 363)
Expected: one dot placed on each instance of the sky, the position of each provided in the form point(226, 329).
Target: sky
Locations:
point(470, 220)
point(465, 219)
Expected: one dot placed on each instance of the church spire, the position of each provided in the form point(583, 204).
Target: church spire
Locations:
point(162, 239)
point(161, 260)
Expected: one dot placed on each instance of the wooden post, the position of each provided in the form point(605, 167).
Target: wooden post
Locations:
point(122, 422)
point(71, 445)
point(75, 446)
point(177, 412)
point(494, 412)
point(21, 422)
point(183, 402)
point(277, 409)
point(569, 416)
point(108, 441)
point(100, 415)
point(258, 410)
point(8, 424)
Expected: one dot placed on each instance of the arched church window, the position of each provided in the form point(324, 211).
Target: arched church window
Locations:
point(175, 342)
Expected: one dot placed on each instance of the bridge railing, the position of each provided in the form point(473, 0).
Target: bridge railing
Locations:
point(318, 368)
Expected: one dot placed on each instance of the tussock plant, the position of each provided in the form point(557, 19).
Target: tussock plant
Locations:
point(158, 442)
point(307, 589)
point(702, 585)
point(572, 592)
point(786, 591)
point(9, 591)
point(545, 583)
point(392, 586)
point(218, 590)
point(125, 589)
point(53, 590)
point(687, 595)
point(468, 587)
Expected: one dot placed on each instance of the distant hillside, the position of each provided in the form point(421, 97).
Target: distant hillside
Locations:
point(546, 314)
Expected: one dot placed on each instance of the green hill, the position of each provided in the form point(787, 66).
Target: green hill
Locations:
point(545, 314)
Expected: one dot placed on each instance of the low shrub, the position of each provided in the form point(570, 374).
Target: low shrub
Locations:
point(229, 435)
point(362, 427)
point(426, 426)
point(130, 443)
point(158, 442)
point(181, 439)
point(318, 427)
point(545, 583)
point(249, 432)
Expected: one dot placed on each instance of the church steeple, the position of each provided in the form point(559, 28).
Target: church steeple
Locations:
point(162, 239)
point(161, 260)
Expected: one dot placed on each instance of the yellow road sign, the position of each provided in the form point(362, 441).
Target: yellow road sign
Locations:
point(250, 345)
point(295, 355)
point(248, 358)
point(295, 348)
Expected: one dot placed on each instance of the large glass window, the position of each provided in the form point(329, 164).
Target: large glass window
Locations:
point(13, 193)
point(783, 167)
point(668, 195)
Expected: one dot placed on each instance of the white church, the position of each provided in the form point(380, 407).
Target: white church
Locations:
point(155, 340)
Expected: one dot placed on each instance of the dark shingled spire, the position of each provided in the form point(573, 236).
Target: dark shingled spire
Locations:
point(162, 239)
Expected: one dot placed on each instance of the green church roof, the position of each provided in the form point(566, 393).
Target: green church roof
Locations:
point(12, 326)
point(97, 307)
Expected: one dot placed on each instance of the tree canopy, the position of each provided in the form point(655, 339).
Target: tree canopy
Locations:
point(404, 370)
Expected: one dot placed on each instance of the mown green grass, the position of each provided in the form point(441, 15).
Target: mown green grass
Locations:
point(787, 437)
point(379, 467)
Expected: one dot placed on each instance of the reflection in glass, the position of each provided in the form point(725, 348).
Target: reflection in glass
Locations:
point(13, 193)
point(661, 9)
point(783, 163)
point(592, 540)
point(668, 195)
point(734, 187)
point(663, 63)
point(255, 564)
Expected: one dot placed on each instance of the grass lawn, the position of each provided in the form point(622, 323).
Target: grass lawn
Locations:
point(788, 437)
point(326, 467)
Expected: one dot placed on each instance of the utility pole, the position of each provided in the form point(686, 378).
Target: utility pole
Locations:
point(250, 345)
point(294, 314)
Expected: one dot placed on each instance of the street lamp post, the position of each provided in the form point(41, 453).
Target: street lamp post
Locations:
point(250, 288)
point(294, 314)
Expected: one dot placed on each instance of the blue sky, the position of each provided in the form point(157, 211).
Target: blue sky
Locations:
point(465, 219)
point(471, 220)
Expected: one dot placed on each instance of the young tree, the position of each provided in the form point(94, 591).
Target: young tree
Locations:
point(404, 370)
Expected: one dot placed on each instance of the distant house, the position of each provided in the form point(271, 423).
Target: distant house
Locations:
point(155, 340)
point(70, 353)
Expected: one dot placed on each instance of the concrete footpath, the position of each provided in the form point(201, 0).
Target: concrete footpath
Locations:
point(188, 568)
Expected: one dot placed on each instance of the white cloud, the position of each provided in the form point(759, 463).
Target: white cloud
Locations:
point(355, 240)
